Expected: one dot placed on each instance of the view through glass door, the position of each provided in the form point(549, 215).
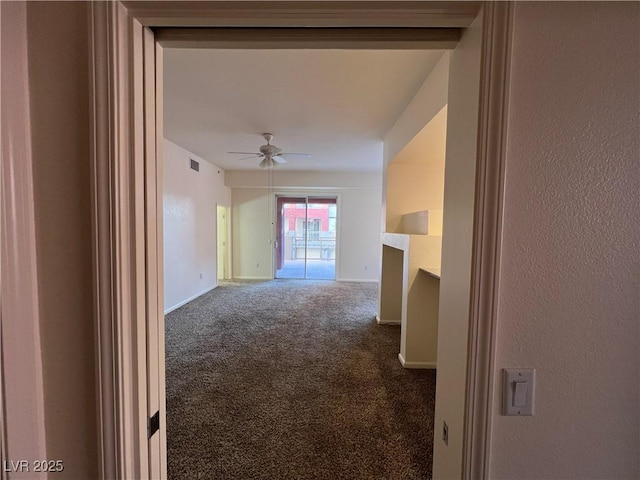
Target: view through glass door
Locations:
point(306, 237)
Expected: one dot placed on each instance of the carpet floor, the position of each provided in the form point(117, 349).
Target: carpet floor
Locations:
point(293, 379)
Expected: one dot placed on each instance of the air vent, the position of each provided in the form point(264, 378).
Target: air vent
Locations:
point(195, 165)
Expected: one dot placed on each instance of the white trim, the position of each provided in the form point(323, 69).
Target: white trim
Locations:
point(355, 280)
point(23, 425)
point(487, 235)
point(305, 14)
point(159, 161)
point(417, 365)
point(321, 192)
point(226, 267)
point(373, 38)
point(184, 302)
point(118, 240)
point(257, 278)
point(387, 322)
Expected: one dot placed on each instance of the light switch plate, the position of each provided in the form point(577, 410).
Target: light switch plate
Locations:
point(518, 389)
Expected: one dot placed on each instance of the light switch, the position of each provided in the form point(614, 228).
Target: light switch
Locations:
point(518, 388)
point(520, 394)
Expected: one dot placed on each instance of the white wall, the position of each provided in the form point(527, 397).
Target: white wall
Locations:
point(569, 274)
point(425, 104)
point(359, 255)
point(359, 249)
point(430, 99)
point(190, 232)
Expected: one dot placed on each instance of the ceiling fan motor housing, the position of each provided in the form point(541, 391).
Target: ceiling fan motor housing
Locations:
point(270, 150)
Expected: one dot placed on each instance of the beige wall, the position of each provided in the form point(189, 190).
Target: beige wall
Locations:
point(569, 275)
point(415, 176)
point(425, 104)
point(251, 233)
point(59, 88)
point(359, 252)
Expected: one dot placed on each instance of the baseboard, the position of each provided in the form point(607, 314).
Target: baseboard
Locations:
point(252, 278)
point(184, 302)
point(423, 365)
point(387, 322)
point(358, 280)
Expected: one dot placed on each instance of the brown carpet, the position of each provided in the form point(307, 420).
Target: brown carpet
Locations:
point(293, 379)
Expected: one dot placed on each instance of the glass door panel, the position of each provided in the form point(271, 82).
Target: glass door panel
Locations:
point(321, 238)
point(291, 239)
point(306, 237)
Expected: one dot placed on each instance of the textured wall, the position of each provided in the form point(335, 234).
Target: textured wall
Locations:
point(569, 280)
point(59, 88)
point(190, 224)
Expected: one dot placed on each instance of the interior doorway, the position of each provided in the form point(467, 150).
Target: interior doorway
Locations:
point(306, 237)
point(112, 23)
point(222, 222)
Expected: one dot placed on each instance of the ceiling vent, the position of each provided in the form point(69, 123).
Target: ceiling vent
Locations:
point(195, 165)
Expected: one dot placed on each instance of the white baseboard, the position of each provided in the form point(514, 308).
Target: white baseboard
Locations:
point(252, 278)
point(423, 365)
point(359, 280)
point(387, 322)
point(184, 302)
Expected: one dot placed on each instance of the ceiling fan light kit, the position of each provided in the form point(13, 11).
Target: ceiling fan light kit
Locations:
point(270, 154)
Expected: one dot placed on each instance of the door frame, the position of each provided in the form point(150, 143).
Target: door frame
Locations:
point(300, 195)
point(226, 261)
point(125, 242)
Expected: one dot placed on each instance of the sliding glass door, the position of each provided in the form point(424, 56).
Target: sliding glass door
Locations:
point(306, 237)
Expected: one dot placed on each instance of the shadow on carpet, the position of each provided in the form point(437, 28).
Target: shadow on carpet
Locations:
point(293, 379)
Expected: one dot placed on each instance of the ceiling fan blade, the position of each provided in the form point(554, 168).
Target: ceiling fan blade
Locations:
point(279, 159)
point(252, 156)
point(247, 153)
point(291, 154)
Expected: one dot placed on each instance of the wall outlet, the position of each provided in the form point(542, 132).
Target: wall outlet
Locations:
point(445, 433)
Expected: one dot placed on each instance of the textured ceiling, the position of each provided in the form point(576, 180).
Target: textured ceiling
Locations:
point(334, 104)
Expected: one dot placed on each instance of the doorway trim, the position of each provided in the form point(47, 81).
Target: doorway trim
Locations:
point(226, 257)
point(122, 235)
point(334, 198)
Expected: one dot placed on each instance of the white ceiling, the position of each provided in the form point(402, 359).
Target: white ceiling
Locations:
point(336, 105)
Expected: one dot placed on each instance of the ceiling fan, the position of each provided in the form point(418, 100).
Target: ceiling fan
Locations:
point(270, 154)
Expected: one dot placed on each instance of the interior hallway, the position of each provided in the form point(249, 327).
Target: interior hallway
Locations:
point(293, 379)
